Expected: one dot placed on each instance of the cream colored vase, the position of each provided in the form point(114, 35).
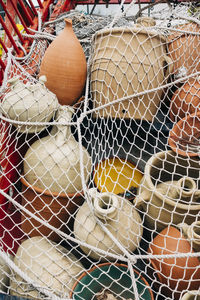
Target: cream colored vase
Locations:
point(192, 233)
point(29, 103)
point(191, 295)
point(51, 267)
point(53, 162)
point(126, 61)
point(169, 191)
point(117, 215)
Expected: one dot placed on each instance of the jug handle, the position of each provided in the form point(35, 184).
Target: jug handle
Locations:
point(141, 199)
point(168, 65)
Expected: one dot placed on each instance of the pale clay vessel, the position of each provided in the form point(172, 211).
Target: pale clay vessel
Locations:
point(192, 233)
point(49, 265)
point(191, 295)
point(53, 162)
point(29, 103)
point(117, 215)
point(167, 194)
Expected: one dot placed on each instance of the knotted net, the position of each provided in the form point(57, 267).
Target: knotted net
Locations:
point(100, 198)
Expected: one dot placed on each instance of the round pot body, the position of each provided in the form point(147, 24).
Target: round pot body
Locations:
point(117, 215)
point(64, 65)
point(48, 265)
point(56, 209)
point(123, 65)
point(184, 48)
point(159, 207)
point(29, 103)
point(186, 100)
point(184, 137)
point(191, 295)
point(175, 274)
point(115, 278)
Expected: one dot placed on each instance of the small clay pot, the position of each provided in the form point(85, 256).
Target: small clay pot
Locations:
point(184, 137)
point(191, 295)
point(184, 48)
point(178, 273)
point(57, 209)
point(186, 100)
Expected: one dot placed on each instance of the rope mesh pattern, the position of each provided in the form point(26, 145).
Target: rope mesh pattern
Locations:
point(100, 198)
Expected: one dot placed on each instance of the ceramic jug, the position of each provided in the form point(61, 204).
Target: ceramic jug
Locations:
point(126, 61)
point(192, 233)
point(169, 190)
point(118, 216)
point(53, 162)
point(29, 103)
point(64, 65)
point(48, 265)
point(191, 295)
point(179, 273)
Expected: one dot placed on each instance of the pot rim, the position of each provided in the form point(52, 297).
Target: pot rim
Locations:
point(128, 29)
point(46, 192)
point(195, 116)
point(159, 195)
point(115, 264)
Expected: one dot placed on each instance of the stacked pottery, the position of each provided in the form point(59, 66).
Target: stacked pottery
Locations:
point(179, 273)
point(51, 267)
point(52, 182)
point(122, 65)
point(64, 65)
point(29, 103)
point(169, 191)
point(184, 48)
point(110, 223)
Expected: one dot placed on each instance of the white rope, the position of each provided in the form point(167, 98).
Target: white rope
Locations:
point(121, 14)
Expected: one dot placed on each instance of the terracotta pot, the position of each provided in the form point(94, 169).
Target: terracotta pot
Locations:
point(120, 218)
point(122, 65)
point(56, 209)
point(64, 65)
point(184, 48)
point(191, 295)
point(169, 190)
point(113, 277)
point(186, 100)
point(179, 273)
point(184, 137)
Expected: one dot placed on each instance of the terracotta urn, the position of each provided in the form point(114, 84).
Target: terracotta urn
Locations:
point(179, 273)
point(118, 216)
point(184, 48)
point(30, 102)
point(53, 162)
point(191, 295)
point(169, 191)
point(186, 100)
point(64, 65)
point(52, 268)
point(184, 137)
point(126, 61)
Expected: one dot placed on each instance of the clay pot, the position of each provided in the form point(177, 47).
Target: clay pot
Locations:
point(184, 137)
point(175, 274)
point(64, 65)
point(53, 162)
point(122, 65)
point(169, 190)
point(29, 103)
point(192, 233)
point(186, 100)
point(119, 217)
point(184, 48)
point(191, 295)
point(115, 278)
point(56, 209)
point(51, 267)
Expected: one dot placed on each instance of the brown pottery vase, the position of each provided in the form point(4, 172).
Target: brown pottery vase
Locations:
point(64, 65)
point(184, 48)
point(186, 100)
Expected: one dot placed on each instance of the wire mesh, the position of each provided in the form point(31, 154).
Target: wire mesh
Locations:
point(100, 196)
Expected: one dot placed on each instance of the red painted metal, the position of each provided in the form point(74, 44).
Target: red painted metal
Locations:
point(3, 66)
point(40, 4)
point(26, 13)
point(33, 7)
point(14, 6)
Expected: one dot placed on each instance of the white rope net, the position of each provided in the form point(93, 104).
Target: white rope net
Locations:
point(100, 171)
